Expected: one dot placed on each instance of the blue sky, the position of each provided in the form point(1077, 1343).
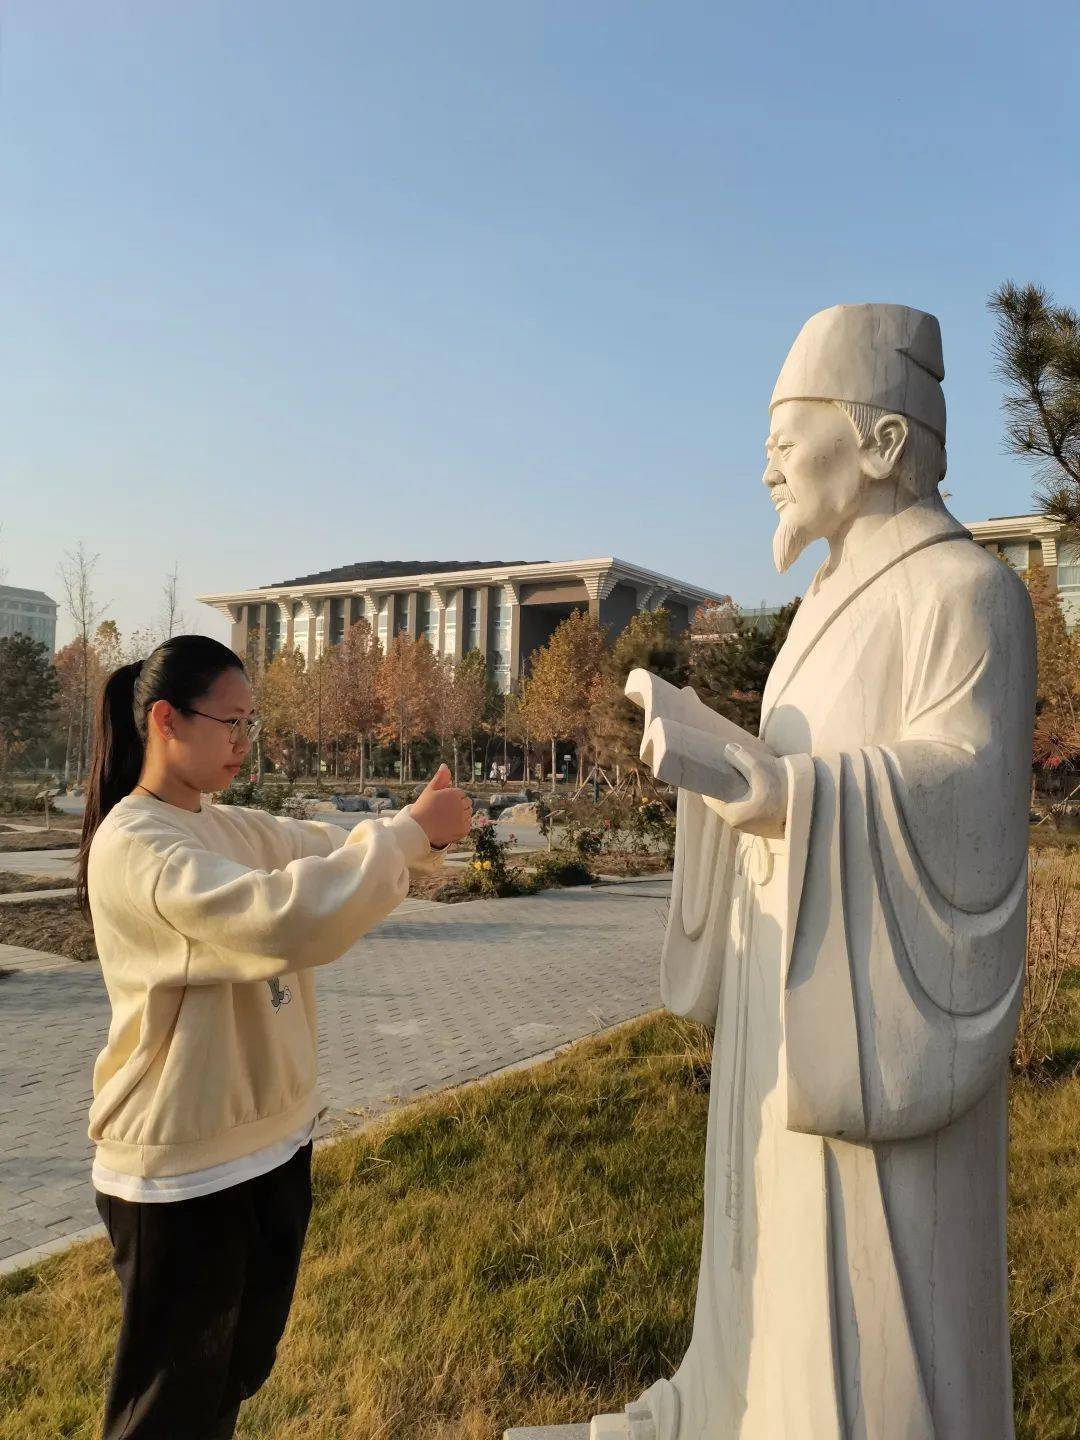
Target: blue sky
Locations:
point(286, 286)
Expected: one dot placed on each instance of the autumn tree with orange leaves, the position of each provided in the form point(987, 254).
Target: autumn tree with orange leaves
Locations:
point(407, 682)
point(1056, 746)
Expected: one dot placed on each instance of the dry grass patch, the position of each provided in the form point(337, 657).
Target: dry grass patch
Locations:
point(21, 842)
point(56, 927)
point(14, 884)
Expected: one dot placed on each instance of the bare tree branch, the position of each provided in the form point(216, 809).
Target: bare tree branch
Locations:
point(76, 575)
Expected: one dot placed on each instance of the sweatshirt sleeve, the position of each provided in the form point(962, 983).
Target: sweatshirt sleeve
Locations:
point(421, 858)
point(296, 838)
point(251, 924)
point(319, 837)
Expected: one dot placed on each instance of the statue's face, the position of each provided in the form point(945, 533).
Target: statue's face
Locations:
point(815, 475)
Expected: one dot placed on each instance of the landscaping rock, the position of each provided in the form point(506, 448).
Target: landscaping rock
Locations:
point(503, 798)
point(352, 803)
point(521, 814)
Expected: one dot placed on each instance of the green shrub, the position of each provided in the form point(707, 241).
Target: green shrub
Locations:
point(275, 799)
point(560, 868)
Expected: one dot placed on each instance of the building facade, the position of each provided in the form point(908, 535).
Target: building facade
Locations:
point(1026, 541)
point(28, 612)
point(506, 610)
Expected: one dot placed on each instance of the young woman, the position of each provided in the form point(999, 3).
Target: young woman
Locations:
point(209, 922)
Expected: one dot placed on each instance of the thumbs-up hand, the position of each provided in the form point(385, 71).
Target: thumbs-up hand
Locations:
point(444, 814)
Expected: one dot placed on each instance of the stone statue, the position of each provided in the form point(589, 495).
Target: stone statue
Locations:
point(848, 911)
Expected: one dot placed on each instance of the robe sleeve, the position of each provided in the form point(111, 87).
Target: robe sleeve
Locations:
point(907, 875)
point(691, 964)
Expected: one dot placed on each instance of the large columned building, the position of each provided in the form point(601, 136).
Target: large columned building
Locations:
point(504, 610)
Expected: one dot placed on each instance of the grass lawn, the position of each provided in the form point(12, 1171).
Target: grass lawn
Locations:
point(525, 1251)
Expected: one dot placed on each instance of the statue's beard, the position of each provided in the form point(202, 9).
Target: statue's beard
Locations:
point(788, 544)
point(790, 540)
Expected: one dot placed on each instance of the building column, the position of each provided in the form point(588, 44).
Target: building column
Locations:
point(390, 601)
point(512, 598)
point(309, 610)
point(409, 602)
point(263, 645)
point(369, 610)
point(455, 596)
point(322, 622)
point(484, 607)
point(438, 604)
point(284, 610)
point(598, 586)
point(240, 629)
point(1050, 558)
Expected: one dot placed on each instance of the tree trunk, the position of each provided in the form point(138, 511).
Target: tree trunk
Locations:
point(67, 751)
point(360, 768)
point(455, 760)
point(553, 764)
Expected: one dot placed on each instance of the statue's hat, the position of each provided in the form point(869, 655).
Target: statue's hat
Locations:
point(884, 355)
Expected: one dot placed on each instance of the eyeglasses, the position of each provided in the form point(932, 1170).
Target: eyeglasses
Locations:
point(248, 725)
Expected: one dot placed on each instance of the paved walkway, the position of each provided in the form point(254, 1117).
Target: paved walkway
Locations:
point(60, 863)
point(437, 995)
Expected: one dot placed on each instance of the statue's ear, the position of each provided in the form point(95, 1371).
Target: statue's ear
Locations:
point(882, 452)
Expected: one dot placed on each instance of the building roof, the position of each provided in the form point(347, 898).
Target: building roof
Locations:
point(381, 577)
point(999, 526)
point(384, 569)
point(16, 592)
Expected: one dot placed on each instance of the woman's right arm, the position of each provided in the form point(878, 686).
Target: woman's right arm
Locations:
point(255, 924)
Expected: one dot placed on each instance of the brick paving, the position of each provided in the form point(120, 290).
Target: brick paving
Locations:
point(437, 995)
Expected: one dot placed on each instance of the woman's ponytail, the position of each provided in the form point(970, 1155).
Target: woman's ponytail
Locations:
point(181, 670)
point(117, 760)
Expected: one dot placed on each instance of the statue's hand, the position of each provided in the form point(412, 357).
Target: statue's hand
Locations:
point(764, 810)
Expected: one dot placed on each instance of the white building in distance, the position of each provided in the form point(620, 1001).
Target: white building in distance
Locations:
point(1027, 541)
point(28, 612)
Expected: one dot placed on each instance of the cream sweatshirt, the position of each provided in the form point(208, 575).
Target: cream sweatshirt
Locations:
point(209, 926)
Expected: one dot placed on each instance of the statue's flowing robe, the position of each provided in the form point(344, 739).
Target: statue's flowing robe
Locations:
point(864, 977)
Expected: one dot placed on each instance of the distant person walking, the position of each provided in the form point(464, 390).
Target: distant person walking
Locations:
point(209, 922)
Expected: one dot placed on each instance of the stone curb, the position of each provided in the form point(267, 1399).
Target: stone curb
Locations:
point(26, 897)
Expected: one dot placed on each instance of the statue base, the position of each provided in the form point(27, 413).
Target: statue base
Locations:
point(602, 1427)
point(548, 1432)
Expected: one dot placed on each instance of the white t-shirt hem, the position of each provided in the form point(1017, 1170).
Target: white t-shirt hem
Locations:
point(170, 1188)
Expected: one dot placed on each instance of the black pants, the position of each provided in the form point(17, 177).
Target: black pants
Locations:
point(206, 1287)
